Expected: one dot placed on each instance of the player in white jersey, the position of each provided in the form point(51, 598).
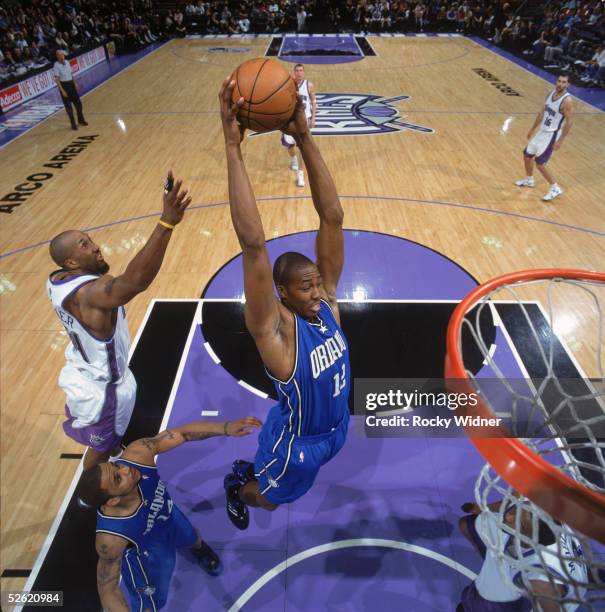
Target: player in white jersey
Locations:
point(554, 123)
point(496, 588)
point(100, 389)
point(306, 90)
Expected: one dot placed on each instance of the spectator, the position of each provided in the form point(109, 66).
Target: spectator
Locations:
point(595, 67)
point(419, 16)
point(243, 23)
point(301, 18)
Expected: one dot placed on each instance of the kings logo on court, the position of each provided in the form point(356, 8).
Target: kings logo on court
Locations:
point(346, 114)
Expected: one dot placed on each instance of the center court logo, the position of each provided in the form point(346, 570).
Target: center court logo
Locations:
point(349, 114)
point(344, 114)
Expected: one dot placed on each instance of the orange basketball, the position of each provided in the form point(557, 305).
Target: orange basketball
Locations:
point(269, 94)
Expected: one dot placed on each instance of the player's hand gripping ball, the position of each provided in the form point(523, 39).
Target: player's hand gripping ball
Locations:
point(269, 94)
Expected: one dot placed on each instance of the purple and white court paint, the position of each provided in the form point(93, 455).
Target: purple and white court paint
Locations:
point(379, 527)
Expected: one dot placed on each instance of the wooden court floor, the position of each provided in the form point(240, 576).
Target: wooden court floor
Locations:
point(162, 113)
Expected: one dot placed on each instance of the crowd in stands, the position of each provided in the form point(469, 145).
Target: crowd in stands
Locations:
point(31, 32)
point(566, 35)
point(565, 32)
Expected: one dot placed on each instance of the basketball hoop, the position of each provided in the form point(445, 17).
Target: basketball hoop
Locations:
point(542, 496)
point(556, 486)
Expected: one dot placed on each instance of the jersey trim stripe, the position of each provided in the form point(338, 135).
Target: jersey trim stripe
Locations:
point(154, 467)
point(64, 280)
point(283, 472)
point(134, 584)
point(299, 405)
point(119, 535)
point(328, 305)
point(121, 518)
point(146, 583)
point(266, 467)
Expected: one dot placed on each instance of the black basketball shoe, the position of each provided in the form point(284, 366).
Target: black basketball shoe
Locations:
point(208, 559)
point(244, 470)
point(237, 511)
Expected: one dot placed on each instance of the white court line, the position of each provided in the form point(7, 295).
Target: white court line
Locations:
point(179, 372)
point(340, 545)
point(83, 96)
point(252, 389)
point(209, 412)
point(140, 330)
point(211, 352)
point(70, 491)
point(371, 46)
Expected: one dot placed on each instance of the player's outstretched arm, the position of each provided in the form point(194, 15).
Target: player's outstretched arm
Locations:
point(329, 245)
point(109, 292)
point(145, 449)
point(262, 308)
point(110, 550)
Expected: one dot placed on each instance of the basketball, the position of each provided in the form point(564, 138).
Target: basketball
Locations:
point(269, 94)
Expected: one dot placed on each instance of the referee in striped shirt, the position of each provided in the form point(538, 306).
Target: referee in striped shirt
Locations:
point(67, 87)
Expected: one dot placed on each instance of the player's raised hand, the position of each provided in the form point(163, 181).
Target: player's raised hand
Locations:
point(175, 200)
point(242, 427)
point(232, 130)
point(297, 125)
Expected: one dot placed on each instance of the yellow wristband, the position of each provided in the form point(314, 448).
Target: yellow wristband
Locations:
point(166, 225)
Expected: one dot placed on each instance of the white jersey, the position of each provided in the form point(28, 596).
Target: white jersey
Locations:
point(303, 90)
point(498, 578)
point(553, 118)
point(98, 359)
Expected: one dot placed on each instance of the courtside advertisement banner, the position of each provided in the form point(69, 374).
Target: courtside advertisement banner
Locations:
point(16, 94)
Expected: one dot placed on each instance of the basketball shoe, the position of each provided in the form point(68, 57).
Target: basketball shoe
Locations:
point(300, 178)
point(554, 192)
point(528, 181)
point(244, 470)
point(208, 559)
point(237, 511)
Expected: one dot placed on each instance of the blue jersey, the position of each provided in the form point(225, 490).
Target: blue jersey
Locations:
point(155, 530)
point(314, 400)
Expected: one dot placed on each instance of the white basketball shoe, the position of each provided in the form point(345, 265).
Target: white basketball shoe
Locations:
point(554, 192)
point(300, 178)
point(528, 181)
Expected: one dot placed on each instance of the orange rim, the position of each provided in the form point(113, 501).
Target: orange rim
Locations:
point(548, 487)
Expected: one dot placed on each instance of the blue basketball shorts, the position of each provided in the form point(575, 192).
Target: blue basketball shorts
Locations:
point(286, 465)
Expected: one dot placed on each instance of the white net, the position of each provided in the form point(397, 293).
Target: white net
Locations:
point(554, 566)
point(546, 382)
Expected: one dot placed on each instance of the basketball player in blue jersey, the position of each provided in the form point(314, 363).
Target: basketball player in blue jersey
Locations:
point(306, 90)
point(139, 528)
point(553, 123)
point(298, 335)
point(100, 389)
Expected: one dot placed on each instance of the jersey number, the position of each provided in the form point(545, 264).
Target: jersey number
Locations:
point(340, 380)
point(75, 340)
